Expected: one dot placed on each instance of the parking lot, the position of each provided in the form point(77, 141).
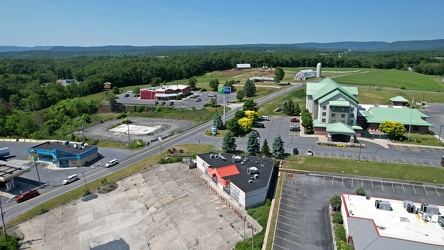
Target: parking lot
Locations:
point(303, 218)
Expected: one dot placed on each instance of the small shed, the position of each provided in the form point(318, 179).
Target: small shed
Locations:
point(243, 66)
point(107, 86)
point(399, 101)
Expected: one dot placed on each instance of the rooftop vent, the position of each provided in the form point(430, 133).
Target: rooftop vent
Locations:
point(409, 206)
point(430, 209)
point(221, 156)
point(383, 205)
point(252, 170)
point(236, 158)
point(250, 181)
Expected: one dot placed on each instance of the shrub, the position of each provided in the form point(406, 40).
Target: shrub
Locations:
point(360, 191)
point(11, 242)
point(337, 218)
point(402, 87)
point(120, 115)
point(170, 160)
point(107, 187)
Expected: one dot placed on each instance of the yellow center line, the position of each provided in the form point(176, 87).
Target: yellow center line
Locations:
point(425, 190)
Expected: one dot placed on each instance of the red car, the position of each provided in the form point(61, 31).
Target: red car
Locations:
point(294, 120)
point(26, 195)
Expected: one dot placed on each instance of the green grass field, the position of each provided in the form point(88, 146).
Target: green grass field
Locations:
point(369, 95)
point(395, 79)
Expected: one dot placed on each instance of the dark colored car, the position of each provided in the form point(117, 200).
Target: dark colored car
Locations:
point(164, 103)
point(171, 103)
point(26, 195)
point(294, 119)
point(259, 125)
point(294, 151)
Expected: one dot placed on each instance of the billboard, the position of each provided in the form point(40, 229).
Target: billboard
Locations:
point(224, 90)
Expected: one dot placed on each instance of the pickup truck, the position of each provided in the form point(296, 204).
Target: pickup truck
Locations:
point(26, 195)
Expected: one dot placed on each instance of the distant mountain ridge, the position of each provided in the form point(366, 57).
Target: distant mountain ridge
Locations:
point(437, 44)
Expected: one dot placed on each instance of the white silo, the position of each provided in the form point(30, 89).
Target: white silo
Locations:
point(319, 70)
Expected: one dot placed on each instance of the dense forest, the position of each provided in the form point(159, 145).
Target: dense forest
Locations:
point(28, 85)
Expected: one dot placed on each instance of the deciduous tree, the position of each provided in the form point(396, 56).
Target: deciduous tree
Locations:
point(214, 84)
point(392, 128)
point(192, 82)
point(250, 105)
point(279, 74)
point(240, 95)
point(245, 124)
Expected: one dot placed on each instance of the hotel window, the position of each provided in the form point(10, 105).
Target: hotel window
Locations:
point(352, 115)
point(333, 115)
point(324, 113)
point(352, 109)
point(323, 120)
point(342, 115)
point(324, 107)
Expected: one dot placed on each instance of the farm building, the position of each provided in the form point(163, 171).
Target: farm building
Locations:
point(304, 74)
point(243, 66)
point(65, 154)
point(164, 92)
point(246, 179)
point(261, 79)
point(376, 223)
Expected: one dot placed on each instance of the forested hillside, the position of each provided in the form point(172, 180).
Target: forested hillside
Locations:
point(29, 84)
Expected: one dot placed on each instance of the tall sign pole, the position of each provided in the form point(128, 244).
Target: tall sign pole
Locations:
point(411, 114)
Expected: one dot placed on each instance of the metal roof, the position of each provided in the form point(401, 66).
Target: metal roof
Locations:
point(340, 127)
point(339, 103)
point(401, 115)
point(10, 170)
point(398, 99)
point(329, 87)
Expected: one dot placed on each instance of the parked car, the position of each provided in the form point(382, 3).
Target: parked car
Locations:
point(294, 119)
point(264, 118)
point(111, 163)
point(126, 95)
point(171, 103)
point(156, 103)
point(294, 151)
point(26, 195)
point(309, 152)
point(211, 94)
point(163, 103)
point(198, 100)
point(71, 178)
point(259, 125)
point(295, 128)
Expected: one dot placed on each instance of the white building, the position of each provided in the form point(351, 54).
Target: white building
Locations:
point(246, 179)
point(374, 223)
point(304, 74)
point(243, 66)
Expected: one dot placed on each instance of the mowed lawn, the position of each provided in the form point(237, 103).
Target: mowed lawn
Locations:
point(369, 95)
point(395, 79)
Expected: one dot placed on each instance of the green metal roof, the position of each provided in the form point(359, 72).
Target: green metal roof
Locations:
point(401, 115)
point(340, 127)
point(333, 94)
point(339, 103)
point(398, 99)
point(329, 87)
point(318, 124)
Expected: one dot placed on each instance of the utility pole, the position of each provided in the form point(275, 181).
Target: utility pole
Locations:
point(411, 114)
point(86, 185)
point(3, 219)
point(34, 158)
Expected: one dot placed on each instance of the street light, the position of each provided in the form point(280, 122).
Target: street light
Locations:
point(359, 152)
point(439, 135)
point(34, 158)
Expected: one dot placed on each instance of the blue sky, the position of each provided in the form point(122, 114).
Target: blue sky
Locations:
point(211, 22)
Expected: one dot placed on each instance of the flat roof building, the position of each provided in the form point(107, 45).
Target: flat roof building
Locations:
point(246, 179)
point(65, 154)
point(167, 92)
point(383, 224)
point(243, 66)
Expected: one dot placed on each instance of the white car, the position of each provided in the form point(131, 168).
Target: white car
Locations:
point(111, 163)
point(71, 178)
point(309, 152)
point(211, 94)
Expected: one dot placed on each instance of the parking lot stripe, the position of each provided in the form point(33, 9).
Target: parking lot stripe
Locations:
point(415, 149)
point(433, 150)
point(337, 155)
point(276, 245)
point(289, 218)
point(403, 160)
point(287, 240)
point(431, 164)
point(290, 194)
point(345, 155)
point(414, 188)
point(371, 181)
point(280, 222)
point(297, 202)
point(291, 212)
point(329, 154)
point(354, 158)
point(362, 183)
point(393, 187)
point(403, 186)
point(413, 162)
point(437, 192)
point(352, 182)
point(323, 180)
point(288, 232)
point(421, 162)
point(332, 180)
point(382, 185)
point(314, 178)
point(425, 149)
point(425, 190)
point(342, 181)
point(322, 155)
point(378, 158)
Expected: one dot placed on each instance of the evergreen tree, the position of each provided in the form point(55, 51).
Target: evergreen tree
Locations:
point(265, 148)
point(297, 109)
point(217, 122)
point(289, 109)
point(249, 88)
point(279, 74)
point(240, 95)
point(253, 146)
point(214, 84)
point(284, 106)
point(233, 126)
point(278, 147)
point(250, 105)
point(229, 143)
